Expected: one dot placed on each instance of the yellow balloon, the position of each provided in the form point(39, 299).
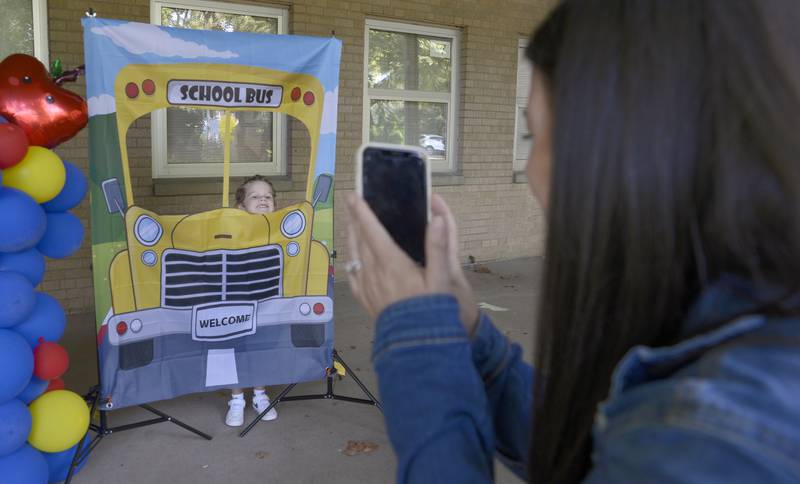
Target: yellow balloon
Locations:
point(59, 420)
point(40, 174)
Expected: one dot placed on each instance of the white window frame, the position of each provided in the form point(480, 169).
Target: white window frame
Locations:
point(39, 21)
point(451, 98)
point(40, 44)
point(158, 118)
point(523, 70)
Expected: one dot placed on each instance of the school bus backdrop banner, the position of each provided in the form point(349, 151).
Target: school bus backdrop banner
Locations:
point(194, 302)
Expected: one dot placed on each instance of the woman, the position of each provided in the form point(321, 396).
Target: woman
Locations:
point(668, 334)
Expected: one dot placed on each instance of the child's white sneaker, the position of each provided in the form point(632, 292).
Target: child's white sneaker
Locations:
point(235, 417)
point(260, 403)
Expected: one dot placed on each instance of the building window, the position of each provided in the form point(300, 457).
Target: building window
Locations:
point(410, 88)
point(187, 142)
point(523, 141)
point(23, 28)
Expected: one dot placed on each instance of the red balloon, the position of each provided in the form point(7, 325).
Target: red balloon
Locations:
point(48, 114)
point(50, 360)
point(55, 384)
point(13, 145)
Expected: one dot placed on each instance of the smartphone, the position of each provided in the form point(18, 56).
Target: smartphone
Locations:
point(395, 181)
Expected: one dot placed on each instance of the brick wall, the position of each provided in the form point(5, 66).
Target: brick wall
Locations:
point(497, 218)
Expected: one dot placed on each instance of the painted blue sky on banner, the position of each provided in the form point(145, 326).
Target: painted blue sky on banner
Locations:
point(112, 44)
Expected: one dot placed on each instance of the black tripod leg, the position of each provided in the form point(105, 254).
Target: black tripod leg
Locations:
point(94, 394)
point(174, 420)
point(329, 394)
point(271, 404)
point(358, 382)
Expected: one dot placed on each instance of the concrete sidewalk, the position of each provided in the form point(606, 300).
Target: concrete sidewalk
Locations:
point(305, 444)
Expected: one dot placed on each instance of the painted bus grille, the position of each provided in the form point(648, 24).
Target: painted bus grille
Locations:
point(192, 278)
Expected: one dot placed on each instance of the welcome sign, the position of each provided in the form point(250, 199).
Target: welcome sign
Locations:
point(220, 322)
point(193, 302)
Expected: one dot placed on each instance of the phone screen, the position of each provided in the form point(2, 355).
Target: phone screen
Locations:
point(395, 187)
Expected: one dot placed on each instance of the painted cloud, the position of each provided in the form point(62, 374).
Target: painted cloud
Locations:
point(131, 37)
point(329, 110)
point(102, 104)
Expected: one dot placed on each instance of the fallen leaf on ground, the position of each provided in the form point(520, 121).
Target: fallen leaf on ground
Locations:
point(483, 270)
point(355, 447)
point(262, 455)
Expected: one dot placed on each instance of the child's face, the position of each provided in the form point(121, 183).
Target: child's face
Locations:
point(258, 198)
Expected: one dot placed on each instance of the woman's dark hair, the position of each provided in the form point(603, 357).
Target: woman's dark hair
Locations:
point(242, 190)
point(676, 160)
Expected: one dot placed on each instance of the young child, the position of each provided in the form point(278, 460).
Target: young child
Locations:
point(255, 195)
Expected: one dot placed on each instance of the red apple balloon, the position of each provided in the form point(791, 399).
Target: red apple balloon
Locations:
point(50, 360)
point(13, 145)
point(48, 114)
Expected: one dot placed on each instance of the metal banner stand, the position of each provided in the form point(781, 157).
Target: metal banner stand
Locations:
point(102, 429)
point(330, 372)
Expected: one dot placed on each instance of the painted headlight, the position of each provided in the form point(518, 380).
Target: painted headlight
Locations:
point(147, 230)
point(149, 258)
point(293, 224)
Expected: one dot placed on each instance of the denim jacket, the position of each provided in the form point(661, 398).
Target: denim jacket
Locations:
point(720, 407)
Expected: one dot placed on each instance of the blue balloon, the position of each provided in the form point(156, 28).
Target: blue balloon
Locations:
point(46, 321)
point(25, 466)
point(59, 462)
point(16, 365)
point(63, 236)
point(22, 221)
point(17, 298)
point(15, 425)
point(29, 263)
point(74, 190)
point(35, 388)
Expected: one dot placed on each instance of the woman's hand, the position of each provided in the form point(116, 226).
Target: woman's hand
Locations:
point(381, 273)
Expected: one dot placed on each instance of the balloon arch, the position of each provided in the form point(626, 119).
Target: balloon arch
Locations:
point(41, 422)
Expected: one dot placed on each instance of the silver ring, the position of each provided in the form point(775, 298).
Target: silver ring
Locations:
point(352, 266)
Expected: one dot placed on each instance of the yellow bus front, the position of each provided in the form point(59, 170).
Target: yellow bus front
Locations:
point(175, 263)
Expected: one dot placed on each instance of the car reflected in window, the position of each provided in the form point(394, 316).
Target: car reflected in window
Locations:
point(434, 144)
